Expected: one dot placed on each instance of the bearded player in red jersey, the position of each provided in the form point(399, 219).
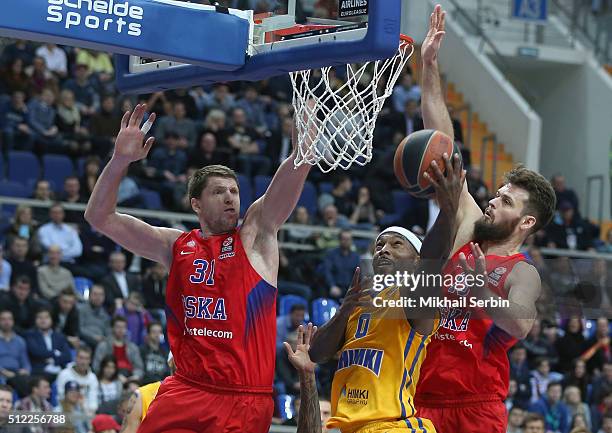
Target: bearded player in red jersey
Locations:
point(221, 291)
point(464, 378)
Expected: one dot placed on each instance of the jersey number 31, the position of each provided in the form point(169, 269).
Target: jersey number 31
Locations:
point(202, 267)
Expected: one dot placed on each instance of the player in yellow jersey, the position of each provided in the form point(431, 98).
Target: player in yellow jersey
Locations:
point(382, 347)
point(140, 401)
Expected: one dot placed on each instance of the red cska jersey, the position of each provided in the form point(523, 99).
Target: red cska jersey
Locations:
point(467, 358)
point(221, 315)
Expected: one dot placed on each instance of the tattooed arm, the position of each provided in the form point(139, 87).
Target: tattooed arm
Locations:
point(309, 417)
point(131, 420)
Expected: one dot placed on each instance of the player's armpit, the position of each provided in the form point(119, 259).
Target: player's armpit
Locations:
point(153, 243)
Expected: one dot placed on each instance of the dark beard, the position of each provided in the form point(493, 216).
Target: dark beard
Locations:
point(492, 232)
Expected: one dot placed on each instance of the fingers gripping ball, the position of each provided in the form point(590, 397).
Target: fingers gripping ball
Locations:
point(414, 156)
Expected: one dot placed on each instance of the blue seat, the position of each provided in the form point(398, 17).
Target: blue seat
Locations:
point(308, 199)
point(56, 168)
point(81, 166)
point(246, 193)
point(151, 199)
point(285, 404)
point(322, 310)
point(13, 189)
point(261, 185)
point(22, 166)
point(82, 286)
point(402, 201)
point(325, 187)
point(287, 301)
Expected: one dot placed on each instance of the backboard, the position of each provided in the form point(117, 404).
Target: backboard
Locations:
point(283, 36)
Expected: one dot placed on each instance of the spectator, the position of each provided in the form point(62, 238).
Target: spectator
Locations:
point(331, 219)
point(80, 372)
point(52, 277)
point(17, 134)
point(289, 323)
point(606, 426)
point(98, 62)
point(516, 416)
point(49, 350)
point(578, 424)
point(110, 387)
point(215, 123)
point(154, 291)
point(541, 377)
point(127, 354)
point(43, 192)
point(254, 109)
point(242, 139)
point(555, 412)
point(519, 371)
point(564, 194)
point(404, 91)
point(339, 265)
point(56, 232)
point(568, 230)
point(97, 248)
point(42, 122)
point(21, 49)
point(39, 76)
point(178, 124)
point(136, 316)
point(14, 78)
point(72, 406)
point(21, 303)
point(286, 379)
point(14, 362)
point(578, 377)
point(6, 404)
point(535, 344)
point(66, 316)
point(20, 265)
point(93, 319)
point(477, 188)
point(85, 93)
point(72, 194)
point(167, 166)
point(69, 122)
point(571, 345)
point(364, 212)
point(573, 401)
point(119, 284)
point(104, 127)
point(301, 235)
point(340, 196)
point(598, 348)
point(37, 400)
point(23, 225)
point(5, 272)
point(207, 153)
point(90, 177)
point(534, 423)
point(105, 424)
point(291, 276)
point(154, 355)
point(280, 144)
point(220, 99)
point(55, 59)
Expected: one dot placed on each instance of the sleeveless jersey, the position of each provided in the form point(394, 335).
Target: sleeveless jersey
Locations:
point(378, 369)
point(221, 315)
point(147, 395)
point(467, 357)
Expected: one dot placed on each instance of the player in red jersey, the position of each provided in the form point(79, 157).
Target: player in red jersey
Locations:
point(464, 379)
point(221, 292)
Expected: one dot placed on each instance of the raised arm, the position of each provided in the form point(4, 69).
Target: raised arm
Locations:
point(154, 243)
point(435, 116)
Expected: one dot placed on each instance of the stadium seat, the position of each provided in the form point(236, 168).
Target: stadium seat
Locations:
point(81, 166)
point(287, 301)
point(322, 310)
point(151, 199)
point(82, 286)
point(402, 202)
point(286, 409)
point(246, 193)
point(308, 199)
point(261, 185)
point(13, 189)
point(325, 187)
point(22, 166)
point(56, 168)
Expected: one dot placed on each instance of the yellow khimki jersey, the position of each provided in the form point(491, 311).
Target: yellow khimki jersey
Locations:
point(147, 395)
point(378, 370)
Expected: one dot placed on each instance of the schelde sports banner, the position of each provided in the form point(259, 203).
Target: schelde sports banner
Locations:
point(138, 27)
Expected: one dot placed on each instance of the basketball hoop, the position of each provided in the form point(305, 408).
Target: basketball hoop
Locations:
point(335, 121)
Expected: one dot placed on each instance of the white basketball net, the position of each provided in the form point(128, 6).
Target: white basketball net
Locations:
point(335, 122)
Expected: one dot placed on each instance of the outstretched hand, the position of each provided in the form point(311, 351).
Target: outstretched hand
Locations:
point(300, 358)
point(129, 143)
point(448, 185)
point(431, 44)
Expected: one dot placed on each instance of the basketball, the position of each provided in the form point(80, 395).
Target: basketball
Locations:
point(415, 154)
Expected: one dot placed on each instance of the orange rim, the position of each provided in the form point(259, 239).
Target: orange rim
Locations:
point(406, 39)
